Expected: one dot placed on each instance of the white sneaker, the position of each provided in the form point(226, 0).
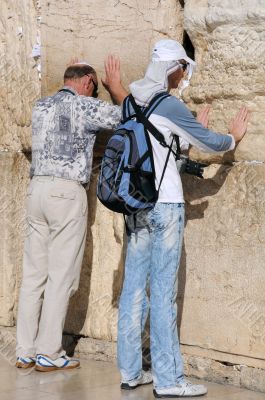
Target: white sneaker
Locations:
point(185, 389)
point(25, 362)
point(46, 364)
point(144, 379)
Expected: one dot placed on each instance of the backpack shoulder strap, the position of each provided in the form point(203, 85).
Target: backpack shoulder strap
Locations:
point(141, 117)
point(155, 103)
point(147, 111)
point(125, 109)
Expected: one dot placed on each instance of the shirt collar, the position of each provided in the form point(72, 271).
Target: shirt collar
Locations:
point(71, 90)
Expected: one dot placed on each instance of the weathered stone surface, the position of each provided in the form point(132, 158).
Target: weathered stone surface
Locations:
point(229, 359)
point(92, 29)
point(93, 310)
point(225, 373)
point(13, 181)
point(222, 278)
point(253, 378)
point(100, 350)
point(19, 78)
point(8, 344)
point(230, 51)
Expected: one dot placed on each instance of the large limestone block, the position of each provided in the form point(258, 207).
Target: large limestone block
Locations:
point(92, 29)
point(19, 78)
point(13, 182)
point(222, 277)
point(229, 45)
point(94, 309)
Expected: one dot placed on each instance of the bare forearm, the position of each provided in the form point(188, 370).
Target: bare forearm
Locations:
point(118, 94)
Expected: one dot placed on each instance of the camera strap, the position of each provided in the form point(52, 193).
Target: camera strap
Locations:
point(177, 155)
point(165, 166)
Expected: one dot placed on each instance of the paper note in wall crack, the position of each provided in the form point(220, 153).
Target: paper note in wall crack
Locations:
point(36, 50)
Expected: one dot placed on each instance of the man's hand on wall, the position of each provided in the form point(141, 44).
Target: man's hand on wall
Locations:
point(112, 72)
point(238, 125)
point(112, 79)
point(203, 116)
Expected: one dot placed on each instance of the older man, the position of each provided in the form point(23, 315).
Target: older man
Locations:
point(64, 127)
point(155, 236)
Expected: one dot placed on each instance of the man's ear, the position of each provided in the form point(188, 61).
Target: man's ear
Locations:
point(86, 80)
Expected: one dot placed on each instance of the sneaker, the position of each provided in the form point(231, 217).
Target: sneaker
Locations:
point(46, 364)
point(25, 362)
point(185, 389)
point(144, 379)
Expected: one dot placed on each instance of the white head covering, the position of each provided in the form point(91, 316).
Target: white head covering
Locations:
point(165, 60)
point(170, 50)
point(82, 63)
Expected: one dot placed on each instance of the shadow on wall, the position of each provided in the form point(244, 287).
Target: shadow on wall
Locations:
point(100, 146)
point(78, 306)
point(194, 190)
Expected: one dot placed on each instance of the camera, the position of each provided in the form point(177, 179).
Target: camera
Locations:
point(185, 165)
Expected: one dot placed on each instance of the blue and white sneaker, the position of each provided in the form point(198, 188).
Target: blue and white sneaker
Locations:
point(144, 379)
point(25, 362)
point(46, 364)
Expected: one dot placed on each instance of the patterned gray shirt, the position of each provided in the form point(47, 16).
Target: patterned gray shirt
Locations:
point(64, 128)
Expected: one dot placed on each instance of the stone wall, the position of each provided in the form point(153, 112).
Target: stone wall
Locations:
point(92, 29)
point(230, 51)
point(19, 87)
point(227, 234)
point(222, 280)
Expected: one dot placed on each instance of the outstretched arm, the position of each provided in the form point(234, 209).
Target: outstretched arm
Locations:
point(237, 127)
point(112, 80)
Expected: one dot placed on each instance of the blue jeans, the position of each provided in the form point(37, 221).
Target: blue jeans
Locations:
point(153, 256)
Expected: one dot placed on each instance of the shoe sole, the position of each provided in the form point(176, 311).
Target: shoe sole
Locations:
point(49, 369)
point(126, 386)
point(174, 396)
point(25, 366)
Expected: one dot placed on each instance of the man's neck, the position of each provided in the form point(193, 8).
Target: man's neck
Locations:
point(72, 86)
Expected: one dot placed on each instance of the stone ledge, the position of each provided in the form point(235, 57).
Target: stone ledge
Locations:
point(223, 372)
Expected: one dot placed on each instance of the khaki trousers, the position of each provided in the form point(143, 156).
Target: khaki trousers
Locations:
point(53, 254)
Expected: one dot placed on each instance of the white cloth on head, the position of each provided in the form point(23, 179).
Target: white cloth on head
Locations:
point(165, 60)
point(82, 63)
point(155, 81)
point(170, 50)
